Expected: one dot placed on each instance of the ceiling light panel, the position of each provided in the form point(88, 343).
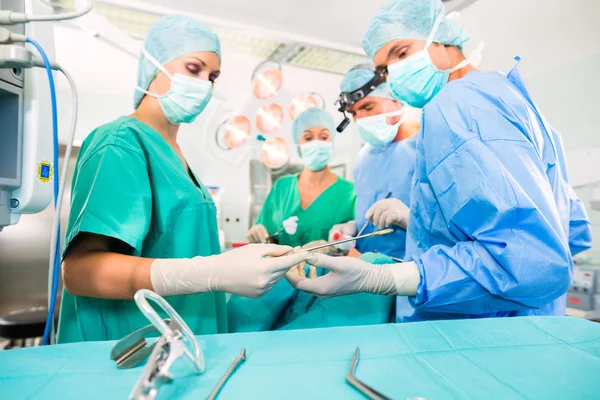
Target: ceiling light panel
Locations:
point(136, 24)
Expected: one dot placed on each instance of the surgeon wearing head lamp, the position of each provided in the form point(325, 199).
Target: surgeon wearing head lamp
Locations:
point(318, 198)
point(139, 217)
point(385, 166)
point(493, 221)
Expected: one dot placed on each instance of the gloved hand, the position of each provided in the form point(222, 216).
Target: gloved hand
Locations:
point(351, 275)
point(244, 271)
point(258, 234)
point(345, 230)
point(388, 212)
point(299, 269)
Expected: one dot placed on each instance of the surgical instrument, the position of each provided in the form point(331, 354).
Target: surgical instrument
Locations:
point(329, 244)
point(377, 233)
point(133, 349)
point(398, 260)
point(172, 345)
point(371, 219)
point(365, 389)
point(234, 365)
point(271, 236)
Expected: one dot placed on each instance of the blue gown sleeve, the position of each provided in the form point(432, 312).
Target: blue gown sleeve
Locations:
point(507, 250)
point(580, 229)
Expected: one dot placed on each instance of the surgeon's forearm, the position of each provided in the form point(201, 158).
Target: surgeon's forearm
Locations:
point(106, 274)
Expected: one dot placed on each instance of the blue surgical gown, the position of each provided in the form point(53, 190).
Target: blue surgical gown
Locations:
point(491, 208)
point(379, 171)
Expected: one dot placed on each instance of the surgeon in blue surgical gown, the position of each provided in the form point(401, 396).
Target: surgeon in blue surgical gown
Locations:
point(493, 222)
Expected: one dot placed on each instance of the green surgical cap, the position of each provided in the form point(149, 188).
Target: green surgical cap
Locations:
point(411, 19)
point(311, 118)
point(169, 38)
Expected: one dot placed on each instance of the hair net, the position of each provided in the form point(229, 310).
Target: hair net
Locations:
point(411, 19)
point(311, 118)
point(169, 38)
point(359, 76)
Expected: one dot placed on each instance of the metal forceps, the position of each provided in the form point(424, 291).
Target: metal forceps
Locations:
point(365, 389)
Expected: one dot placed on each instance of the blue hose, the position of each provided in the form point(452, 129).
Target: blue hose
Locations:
point(50, 315)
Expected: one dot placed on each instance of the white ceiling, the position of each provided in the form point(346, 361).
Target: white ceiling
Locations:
point(545, 33)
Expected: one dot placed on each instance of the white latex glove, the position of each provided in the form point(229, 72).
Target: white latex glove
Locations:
point(244, 271)
point(299, 269)
point(388, 212)
point(351, 275)
point(258, 234)
point(346, 230)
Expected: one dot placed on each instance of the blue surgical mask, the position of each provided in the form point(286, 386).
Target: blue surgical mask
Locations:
point(186, 98)
point(315, 154)
point(375, 129)
point(416, 79)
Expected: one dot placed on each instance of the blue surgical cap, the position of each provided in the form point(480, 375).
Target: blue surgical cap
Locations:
point(359, 76)
point(311, 118)
point(411, 19)
point(169, 38)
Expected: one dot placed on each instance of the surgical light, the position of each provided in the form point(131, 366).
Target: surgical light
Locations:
point(275, 152)
point(267, 80)
point(233, 132)
point(269, 118)
point(303, 102)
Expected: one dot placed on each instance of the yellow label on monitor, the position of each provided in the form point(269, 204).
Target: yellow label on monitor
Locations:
point(44, 171)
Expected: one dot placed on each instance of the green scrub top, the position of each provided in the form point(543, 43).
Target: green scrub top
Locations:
point(131, 185)
point(334, 206)
point(283, 303)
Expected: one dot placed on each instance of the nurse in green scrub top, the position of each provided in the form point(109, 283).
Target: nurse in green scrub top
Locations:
point(139, 217)
point(319, 198)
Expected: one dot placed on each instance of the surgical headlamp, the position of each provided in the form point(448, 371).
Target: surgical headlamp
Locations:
point(348, 99)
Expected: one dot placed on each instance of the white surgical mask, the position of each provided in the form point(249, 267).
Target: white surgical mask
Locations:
point(375, 129)
point(417, 80)
point(186, 98)
point(316, 154)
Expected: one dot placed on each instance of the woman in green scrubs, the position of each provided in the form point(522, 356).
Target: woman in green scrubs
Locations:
point(319, 198)
point(139, 217)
